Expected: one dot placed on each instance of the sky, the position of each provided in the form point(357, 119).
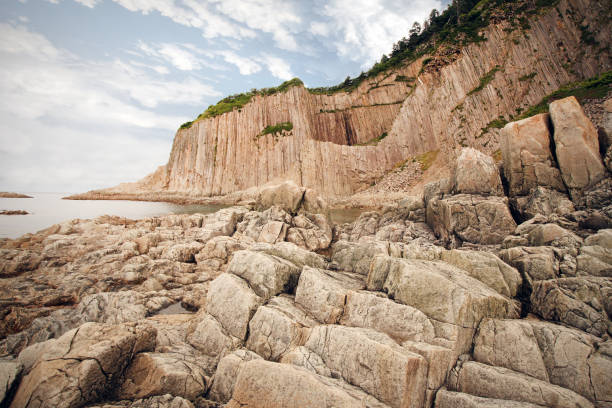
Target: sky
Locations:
point(92, 91)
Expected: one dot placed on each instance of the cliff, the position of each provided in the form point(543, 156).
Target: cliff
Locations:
point(436, 103)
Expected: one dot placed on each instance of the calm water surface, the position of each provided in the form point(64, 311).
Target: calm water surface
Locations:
point(47, 209)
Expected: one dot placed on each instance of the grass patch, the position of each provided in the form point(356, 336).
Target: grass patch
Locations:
point(186, 125)
point(276, 129)
point(528, 77)
point(593, 88)
point(374, 141)
point(485, 80)
point(426, 159)
point(403, 78)
point(497, 156)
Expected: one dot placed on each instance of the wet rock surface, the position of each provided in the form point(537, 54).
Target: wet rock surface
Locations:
point(460, 298)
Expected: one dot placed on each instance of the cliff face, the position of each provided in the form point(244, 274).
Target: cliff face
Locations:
point(441, 109)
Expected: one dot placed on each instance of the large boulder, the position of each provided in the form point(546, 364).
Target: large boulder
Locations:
point(528, 160)
point(83, 365)
point(300, 257)
point(577, 146)
point(450, 399)
point(232, 302)
point(287, 196)
point(373, 362)
point(266, 274)
point(10, 374)
point(501, 383)
point(543, 201)
point(476, 173)
point(227, 372)
point(470, 218)
point(596, 255)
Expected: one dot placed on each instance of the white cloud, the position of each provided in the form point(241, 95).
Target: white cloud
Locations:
point(88, 3)
point(82, 124)
point(278, 67)
point(246, 66)
point(363, 30)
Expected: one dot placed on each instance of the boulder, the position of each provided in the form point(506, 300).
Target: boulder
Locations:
point(276, 327)
point(159, 401)
point(83, 365)
point(400, 322)
point(287, 196)
point(441, 291)
point(182, 252)
point(304, 357)
point(373, 362)
point(269, 226)
point(300, 257)
point(577, 146)
point(596, 255)
point(543, 201)
point(263, 384)
point(470, 218)
point(266, 274)
point(227, 372)
point(584, 303)
point(357, 256)
point(152, 374)
point(487, 268)
point(10, 374)
point(501, 383)
point(534, 263)
point(211, 340)
point(323, 293)
point(476, 173)
point(310, 231)
point(232, 302)
point(528, 160)
point(449, 399)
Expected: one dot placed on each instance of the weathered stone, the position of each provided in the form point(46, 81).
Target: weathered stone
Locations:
point(441, 291)
point(266, 274)
point(500, 383)
point(487, 268)
point(160, 401)
point(476, 173)
point(323, 293)
point(399, 321)
point(163, 373)
point(584, 303)
point(439, 362)
point(542, 201)
point(287, 196)
point(260, 226)
point(310, 231)
point(209, 337)
point(511, 344)
point(470, 218)
point(10, 374)
point(300, 257)
point(182, 252)
point(232, 302)
point(596, 255)
point(577, 146)
point(449, 399)
point(227, 372)
point(528, 161)
point(357, 256)
point(534, 263)
point(276, 327)
point(262, 384)
point(304, 357)
point(83, 365)
point(373, 362)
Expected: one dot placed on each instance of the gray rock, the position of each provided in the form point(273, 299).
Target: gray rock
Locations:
point(227, 372)
point(476, 173)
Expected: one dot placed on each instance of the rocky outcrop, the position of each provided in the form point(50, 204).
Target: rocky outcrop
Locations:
point(442, 108)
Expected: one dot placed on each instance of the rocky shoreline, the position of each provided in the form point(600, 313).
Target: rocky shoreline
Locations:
point(4, 194)
point(482, 291)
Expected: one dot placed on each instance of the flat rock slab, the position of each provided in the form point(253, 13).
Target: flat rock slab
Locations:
point(449, 399)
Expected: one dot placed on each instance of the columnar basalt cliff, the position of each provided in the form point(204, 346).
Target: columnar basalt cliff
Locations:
point(442, 103)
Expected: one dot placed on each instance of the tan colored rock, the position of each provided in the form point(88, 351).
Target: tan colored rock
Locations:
point(262, 384)
point(577, 145)
point(209, 337)
point(304, 357)
point(310, 231)
point(442, 291)
point(449, 399)
point(10, 374)
point(323, 293)
point(300, 257)
point(161, 401)
point(470, 218)
point(232, 302)
point(227, 373)
point(543, 201)
point(276, 327)
point(83, 365)
point(583, 303)
point(440, 360)
point(266, 274)
point(373, 362)
point(534, 263)
point(476, 173)
point(287, 196)
point(400, 322)
point(152, 374)
point(500, 383)
point(528, 161)
point(511, 344)
point(182, 252)
point(487, 268)
point(596, 255)
point(357, 256)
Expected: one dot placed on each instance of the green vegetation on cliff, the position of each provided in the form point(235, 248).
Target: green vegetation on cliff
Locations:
point(276, 129)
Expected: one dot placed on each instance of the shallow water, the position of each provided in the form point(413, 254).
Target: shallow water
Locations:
point(47, 209)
